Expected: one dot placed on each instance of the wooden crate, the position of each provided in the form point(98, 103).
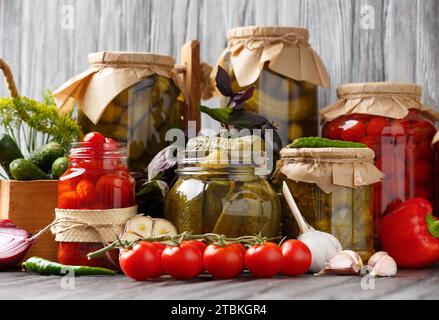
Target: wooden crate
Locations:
point(31, 205)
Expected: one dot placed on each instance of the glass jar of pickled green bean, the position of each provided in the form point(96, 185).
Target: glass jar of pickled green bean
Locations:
point(229, 200)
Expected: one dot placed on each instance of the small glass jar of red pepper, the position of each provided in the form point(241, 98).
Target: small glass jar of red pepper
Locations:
point(97, 179)
point(391, 120)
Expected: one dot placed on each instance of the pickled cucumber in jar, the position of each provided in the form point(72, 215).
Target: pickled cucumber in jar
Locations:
point(140, 116)
point(345, 213)
point(291, 105)
point(230, 205)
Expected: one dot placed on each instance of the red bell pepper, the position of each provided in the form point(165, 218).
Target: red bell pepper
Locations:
point(409, 234)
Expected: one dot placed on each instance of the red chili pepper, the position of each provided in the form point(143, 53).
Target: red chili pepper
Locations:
point(410, 234)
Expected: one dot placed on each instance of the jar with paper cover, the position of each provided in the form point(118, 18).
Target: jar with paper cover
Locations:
point(285, 71)
point(333, 188)
point(391, 119)
point(216, 194)
point(131, 97)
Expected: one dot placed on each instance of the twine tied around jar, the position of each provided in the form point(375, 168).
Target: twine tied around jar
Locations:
point(291, 39)
point(99, 226)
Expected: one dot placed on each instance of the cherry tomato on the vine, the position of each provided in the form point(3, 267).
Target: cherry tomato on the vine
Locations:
point(182, 262)
point(241, 249)
point(141, 262)
point(296, 257)
point(223, 262)
point(264, 260)
point(200, 245)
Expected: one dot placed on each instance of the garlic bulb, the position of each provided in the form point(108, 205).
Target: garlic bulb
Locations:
point(346, 262)
point(323, 246)
point(141, 226)
point(382, 265)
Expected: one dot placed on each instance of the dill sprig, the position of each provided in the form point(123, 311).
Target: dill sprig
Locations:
point(36, 123)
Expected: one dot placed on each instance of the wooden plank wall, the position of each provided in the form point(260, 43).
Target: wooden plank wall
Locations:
point(44, 50)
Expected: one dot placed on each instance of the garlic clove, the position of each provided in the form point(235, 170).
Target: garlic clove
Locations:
point(384, 267)
point(376, 257)
point(346, 262)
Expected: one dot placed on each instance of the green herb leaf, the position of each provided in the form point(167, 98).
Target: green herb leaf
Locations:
point(219, 114)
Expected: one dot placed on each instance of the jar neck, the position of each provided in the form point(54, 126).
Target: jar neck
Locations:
point(81, 152)
point(247, 172)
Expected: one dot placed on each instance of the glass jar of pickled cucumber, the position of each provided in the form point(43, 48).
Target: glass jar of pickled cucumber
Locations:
point(391, 120)
point(285, 71)
point(131, 97)
point(333, 189)
point(223, 199)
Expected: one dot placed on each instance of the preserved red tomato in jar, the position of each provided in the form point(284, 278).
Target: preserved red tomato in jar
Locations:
point(391, 120)
point(97, 179)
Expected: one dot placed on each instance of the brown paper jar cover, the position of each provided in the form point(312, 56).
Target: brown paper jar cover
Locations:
point(386, 99)
point(285, 49)
point(329, 168)
point(110, 73)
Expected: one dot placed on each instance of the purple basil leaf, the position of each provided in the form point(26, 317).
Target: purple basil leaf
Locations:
point(223, 82)
point(241, 97)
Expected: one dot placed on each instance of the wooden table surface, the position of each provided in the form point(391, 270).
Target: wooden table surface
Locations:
point(419, 284)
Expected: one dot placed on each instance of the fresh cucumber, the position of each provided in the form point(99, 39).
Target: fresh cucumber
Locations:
point(317, 142)
point(9, 151)
point(22, 169)
point(59, 166)
point(44, 157)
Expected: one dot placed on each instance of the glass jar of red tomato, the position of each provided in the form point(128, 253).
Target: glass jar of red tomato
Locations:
point(97, 179)
point(391, 120)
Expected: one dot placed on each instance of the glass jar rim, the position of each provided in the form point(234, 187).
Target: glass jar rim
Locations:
point(89, 150)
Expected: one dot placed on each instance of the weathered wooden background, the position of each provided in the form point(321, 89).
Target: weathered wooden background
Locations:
point(47, 41)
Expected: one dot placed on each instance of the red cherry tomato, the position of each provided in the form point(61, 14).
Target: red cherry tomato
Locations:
point(264, 260)
point(331, 130)
point(182, 262)
point(241, 249)
point(141, 262)
point(376, 125)
point(353, 130)
point(420, 171)
point(94, 137)
point(69, 200)
point(115, 190)
point(86, 192)
point(160, 248)
point(110, 145)
point(419, 150)
point(223, 262)
point(296, 258)
point(200, 245)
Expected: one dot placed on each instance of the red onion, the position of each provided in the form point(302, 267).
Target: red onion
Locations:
point(14, 244)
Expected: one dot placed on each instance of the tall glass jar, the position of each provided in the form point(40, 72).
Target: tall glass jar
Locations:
point(97, 179)
point(131, 97)
point(333, 189)
point(285, 71)
point(392, 121)
point(228, 200)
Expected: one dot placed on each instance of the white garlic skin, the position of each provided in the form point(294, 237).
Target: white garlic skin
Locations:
point(384, 267)
point(376, 257)
point(346, 262)
point(323, 247)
